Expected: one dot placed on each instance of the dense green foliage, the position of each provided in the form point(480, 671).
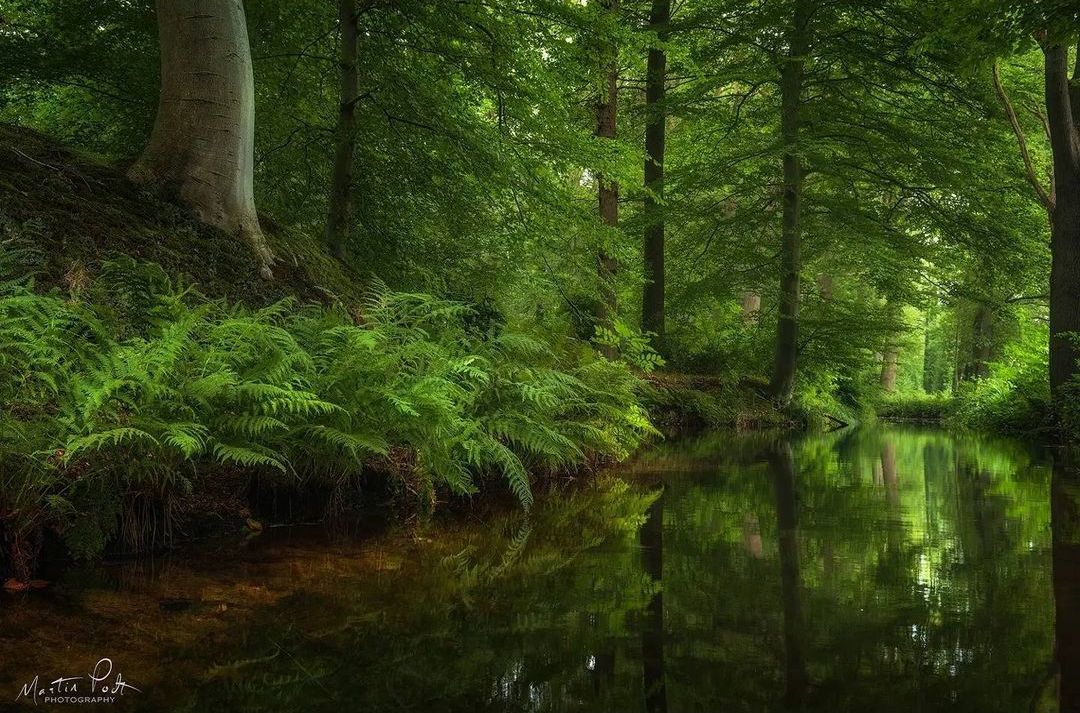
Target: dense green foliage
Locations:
point(136, 388)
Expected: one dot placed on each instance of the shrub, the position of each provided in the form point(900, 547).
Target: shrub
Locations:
point(1014, 398)
point(915, 406)
point(135, 392)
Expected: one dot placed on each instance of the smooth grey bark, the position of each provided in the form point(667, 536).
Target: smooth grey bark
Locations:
point(202, 147)
point(1064, 216)
point(340, 204)
point(791, 87)
point(652, 300)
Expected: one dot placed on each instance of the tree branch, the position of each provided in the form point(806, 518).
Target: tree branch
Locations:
point(1046, 198)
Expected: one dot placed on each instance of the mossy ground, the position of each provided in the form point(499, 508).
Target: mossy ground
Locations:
point(74, 212)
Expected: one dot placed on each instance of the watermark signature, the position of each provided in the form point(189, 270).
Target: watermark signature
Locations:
point(100, 685)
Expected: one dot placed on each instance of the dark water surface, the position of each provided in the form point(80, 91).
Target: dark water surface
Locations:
point(870, 570)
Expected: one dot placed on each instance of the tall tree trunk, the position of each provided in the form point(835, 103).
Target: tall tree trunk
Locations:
point(652, 306)
point(927, 380)
point(791, 86)
point(202, 146)
point(982, 342)
point(1064, 217)
point(888, 368)
point(891, 353)
point(607, 190)
point(337, 219)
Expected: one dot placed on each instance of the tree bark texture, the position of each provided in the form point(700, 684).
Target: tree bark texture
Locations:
point(340, 204)
point(608, 190)
point(652, 304)
point(1064, 218)
point(888, 368)
point(202, 147)
point(791, 87)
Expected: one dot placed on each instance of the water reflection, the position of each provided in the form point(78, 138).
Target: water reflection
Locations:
point(1065, 511)
point(884, 570)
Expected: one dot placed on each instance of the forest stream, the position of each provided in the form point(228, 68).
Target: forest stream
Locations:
point(871, 569)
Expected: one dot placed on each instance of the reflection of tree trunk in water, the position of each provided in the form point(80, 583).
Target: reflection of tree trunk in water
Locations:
point(1065, 519)
point(652, 634)
point(782, 463)
point(892, 494)
point(888, 475)
point(603, 673)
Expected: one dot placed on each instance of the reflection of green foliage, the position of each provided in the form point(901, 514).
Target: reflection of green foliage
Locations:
point(501, 613)
point(919, 552)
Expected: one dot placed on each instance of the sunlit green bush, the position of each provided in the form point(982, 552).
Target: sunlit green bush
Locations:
point(1015, 397)
point(915, 406)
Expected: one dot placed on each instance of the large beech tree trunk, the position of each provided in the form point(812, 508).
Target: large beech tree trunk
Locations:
point(337, 220)
point(652, 303)
point(202, 146)
point(1064, 216)
point(791, 87)
point(608, 190)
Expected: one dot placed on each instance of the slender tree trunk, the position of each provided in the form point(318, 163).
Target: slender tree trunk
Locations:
point(891, 353)
point(652, 307)
point(337, 220)
point(202, 146)
point(888, 368)
point(607, 190)
point(791, 86)
point(927, 382)
point(1064, 218)
point(982, 342)
point(751, 306)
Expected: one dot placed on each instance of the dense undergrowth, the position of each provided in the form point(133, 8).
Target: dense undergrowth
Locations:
point(1012, 398)
point(121, 397)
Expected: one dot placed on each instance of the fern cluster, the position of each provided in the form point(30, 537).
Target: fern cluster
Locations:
point(139, 385)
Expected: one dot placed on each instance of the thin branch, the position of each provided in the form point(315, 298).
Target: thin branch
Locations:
point(1034, 111)
point(1029, 168)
